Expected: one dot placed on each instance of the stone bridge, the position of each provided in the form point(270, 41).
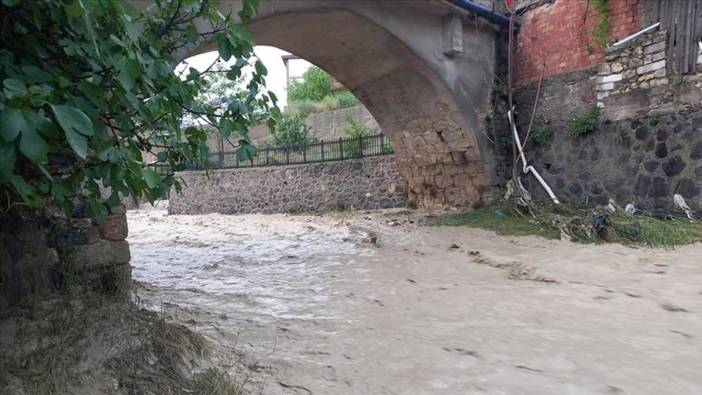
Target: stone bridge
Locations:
point(424, 69)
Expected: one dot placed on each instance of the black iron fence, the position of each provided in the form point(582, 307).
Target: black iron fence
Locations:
point(323, 151)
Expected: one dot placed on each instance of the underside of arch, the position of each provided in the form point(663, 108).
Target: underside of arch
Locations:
point(435, 148)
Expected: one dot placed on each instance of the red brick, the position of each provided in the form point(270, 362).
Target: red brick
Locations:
point(554, 38)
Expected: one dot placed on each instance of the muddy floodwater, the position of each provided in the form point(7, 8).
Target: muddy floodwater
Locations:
point(377, 304)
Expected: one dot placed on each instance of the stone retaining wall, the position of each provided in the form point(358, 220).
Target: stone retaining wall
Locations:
point(45, 253)
point(367, 183)
point(643, 161)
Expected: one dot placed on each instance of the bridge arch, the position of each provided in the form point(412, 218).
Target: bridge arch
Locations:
point(389, 54)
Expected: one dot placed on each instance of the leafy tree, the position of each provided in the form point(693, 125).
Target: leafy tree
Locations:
point(89, 86)
point(315, 85)
point(314, 94)
point(291, 131)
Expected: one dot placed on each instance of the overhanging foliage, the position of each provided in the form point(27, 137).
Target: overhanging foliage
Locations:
point(88, 87)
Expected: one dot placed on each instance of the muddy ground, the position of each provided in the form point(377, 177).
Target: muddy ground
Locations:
point(379, 304)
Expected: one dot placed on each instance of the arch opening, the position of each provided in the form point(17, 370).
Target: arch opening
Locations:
point(436, 150)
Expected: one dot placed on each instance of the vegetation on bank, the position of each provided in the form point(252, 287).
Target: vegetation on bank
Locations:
point(579, 224)
point(313, 93)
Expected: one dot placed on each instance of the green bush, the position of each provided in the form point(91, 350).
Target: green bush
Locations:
point(316, 88)
point(586, 123)
point(542, 133)
point(291, 131)
point(315, 85)
point(356, 130)
point(346, 99)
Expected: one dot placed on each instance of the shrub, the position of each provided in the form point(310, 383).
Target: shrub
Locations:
point(542, 133)
point(356, 130)
point(346, 99)
point(586, 123)
point(328, 103)
point(301, 107)
point(315, 85)
point(291, 131)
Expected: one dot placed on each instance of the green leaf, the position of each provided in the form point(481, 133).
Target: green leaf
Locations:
point(246, 151)
point(98, 210)
point(33, 146)
point(126, 77)
point(152, 178)
point(25, 190)
point(132, 30)
point(77, 142)
point(35, 74)
point(7, 155)
point(11, 123)
point(14, 88)
point(73, 119)
point(225, 48)
point(225, 127)
point(260, 68)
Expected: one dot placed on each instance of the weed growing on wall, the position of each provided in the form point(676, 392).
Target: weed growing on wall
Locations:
point(586, 123)
point(600, 34)
point(542, 133)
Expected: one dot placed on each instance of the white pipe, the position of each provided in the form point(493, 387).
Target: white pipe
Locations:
point(527, 168)
point(633, 36)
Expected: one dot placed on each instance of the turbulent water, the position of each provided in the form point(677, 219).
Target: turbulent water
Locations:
point(311, 305)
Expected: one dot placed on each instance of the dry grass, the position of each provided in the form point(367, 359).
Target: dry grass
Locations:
point(95, 346)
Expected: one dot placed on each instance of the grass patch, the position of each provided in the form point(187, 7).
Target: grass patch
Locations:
point(499, 220)
point(659, 232)
point(578, 224)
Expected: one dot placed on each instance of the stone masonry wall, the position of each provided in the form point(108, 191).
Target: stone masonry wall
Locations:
point(648, 145)
point(642, 161)
point(368, 183)
point(45, 253)
point(635, 81)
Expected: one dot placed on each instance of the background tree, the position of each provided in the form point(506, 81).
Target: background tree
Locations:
point(313, 93)
point(291, 132)
point(89, 86)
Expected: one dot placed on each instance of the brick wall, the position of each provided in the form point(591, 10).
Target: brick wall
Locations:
point(555, 34)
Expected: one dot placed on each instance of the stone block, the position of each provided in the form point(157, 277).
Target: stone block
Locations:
point(609, 78)
point(657, 47)
point(658, 56)
point(114, 228)
point(635, 62)
point(102, 253)
point(651, 67)
point(646, 77)
point(118, 209)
